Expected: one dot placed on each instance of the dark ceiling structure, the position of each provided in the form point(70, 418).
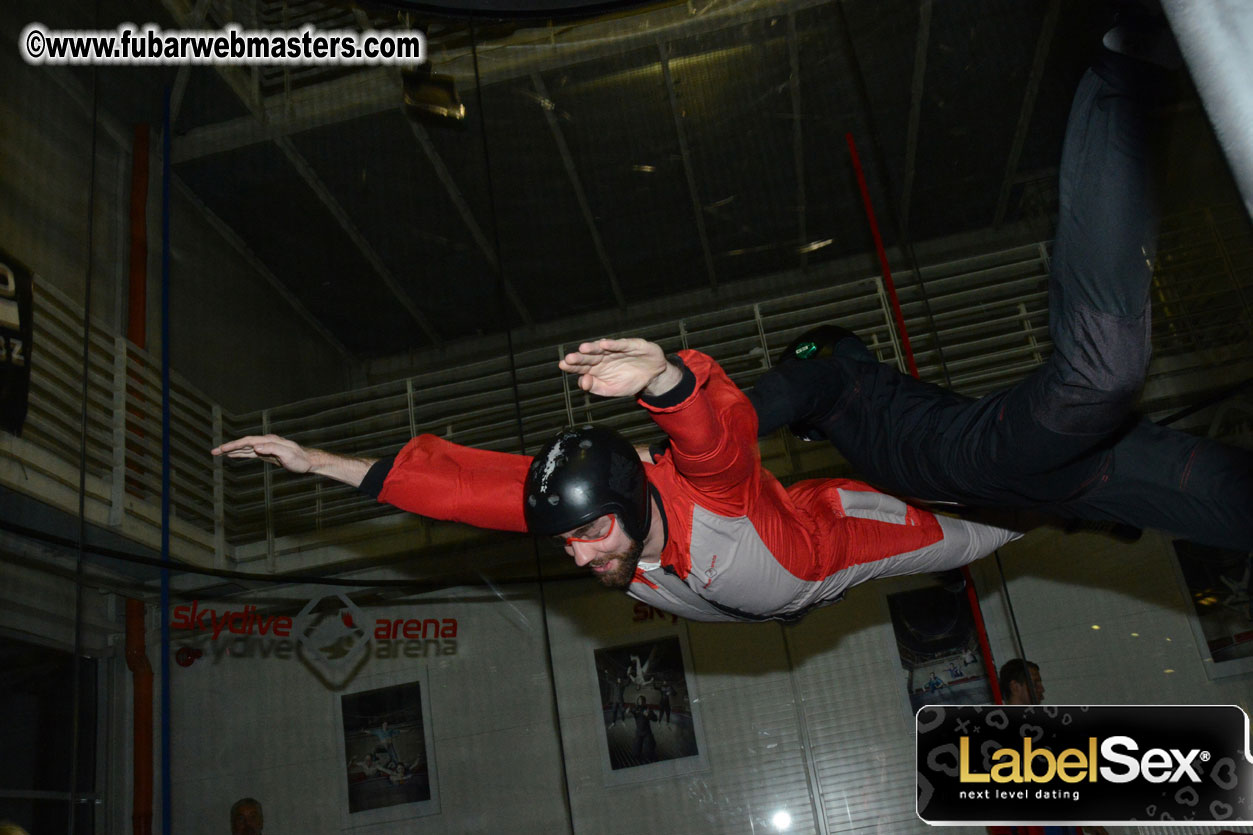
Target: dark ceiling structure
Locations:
point(617, 173)
point(652, 162)
point(610, 163)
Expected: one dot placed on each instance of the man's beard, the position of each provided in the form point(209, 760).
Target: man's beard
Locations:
point(624, 572)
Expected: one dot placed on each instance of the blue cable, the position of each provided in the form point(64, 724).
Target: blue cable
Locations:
point(166, 799)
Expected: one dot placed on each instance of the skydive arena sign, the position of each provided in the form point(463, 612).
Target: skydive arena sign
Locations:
point(334, 641)
point(1154, 765)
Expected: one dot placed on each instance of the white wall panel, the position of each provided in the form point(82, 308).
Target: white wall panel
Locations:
point(755, 766)
point(269, 728)
point(857, 713)
point(1144, 651)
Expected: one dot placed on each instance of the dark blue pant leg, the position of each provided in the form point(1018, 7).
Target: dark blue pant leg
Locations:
point(1192, 487)
point(1064, 410)
point(1099, 276)
point(1079, 401)
point(897, 432)
point(1047, 438)
point(797, 394)
point(1063, 438)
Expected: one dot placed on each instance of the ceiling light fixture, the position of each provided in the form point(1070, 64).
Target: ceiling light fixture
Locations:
point(430, 97)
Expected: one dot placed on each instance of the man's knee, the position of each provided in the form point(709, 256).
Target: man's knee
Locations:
point(1096, 372)
point(1092, 400)
point(772, 400)
point(797, 393)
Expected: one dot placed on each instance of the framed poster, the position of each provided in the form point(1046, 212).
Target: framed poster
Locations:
point(16, 333)
point(388, 754)
point(1218, 583)
point(941, 660)
point(649, 726)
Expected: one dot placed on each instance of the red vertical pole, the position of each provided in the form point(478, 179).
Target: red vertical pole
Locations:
point(883, 257)
point(141, 675)
point(981, 630)
point(976, 612)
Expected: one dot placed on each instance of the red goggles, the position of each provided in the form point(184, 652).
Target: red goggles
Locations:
point(568, 541)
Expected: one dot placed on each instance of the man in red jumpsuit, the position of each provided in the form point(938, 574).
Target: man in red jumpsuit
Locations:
point(703, 531)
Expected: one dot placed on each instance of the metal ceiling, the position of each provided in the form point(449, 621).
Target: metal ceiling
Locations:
point(620, 171)
point(684, 151)
point(681, 173)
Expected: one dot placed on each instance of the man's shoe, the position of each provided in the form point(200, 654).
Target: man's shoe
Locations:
point(816, 343)
point(825, 341)
point(1119, 531)
point(1143, 33)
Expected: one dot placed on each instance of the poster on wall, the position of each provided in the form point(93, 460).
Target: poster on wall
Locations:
point(388, 753)
point(16, 312)
point(649, 726)
point(1219, 583)
point(941, 660)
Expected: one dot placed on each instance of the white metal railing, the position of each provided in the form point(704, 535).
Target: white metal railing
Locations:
point(988, 313)
point(123, 443)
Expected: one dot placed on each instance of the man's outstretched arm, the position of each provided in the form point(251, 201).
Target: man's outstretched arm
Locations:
point(429, 476)
point(292, 457)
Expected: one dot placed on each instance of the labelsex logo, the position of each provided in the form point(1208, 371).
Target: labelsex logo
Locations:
point(1114, 765)
point(1156, 765)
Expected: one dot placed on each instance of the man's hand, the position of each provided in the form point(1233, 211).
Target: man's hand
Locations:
point(289, 455)
point(294, 458)
point(621, 368)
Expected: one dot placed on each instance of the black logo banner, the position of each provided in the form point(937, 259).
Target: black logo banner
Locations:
point(1084, 764)
point(16, 302)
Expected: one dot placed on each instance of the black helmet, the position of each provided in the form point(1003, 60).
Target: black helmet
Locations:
point(582, 474)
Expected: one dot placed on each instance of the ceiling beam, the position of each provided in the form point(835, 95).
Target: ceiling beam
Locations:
point(698, 213)
point(123, 138)
point(467, 217)
point(245, 88)
point(1042, 44)
point(363, 246)
point(237, 78)
point(360, 94)
point(547, 106)
point(798, 139)
point(915, 111)
point(184, 72)
point(377, 89)
point(237, 243)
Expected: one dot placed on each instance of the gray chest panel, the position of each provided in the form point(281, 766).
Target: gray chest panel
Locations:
point(734, 576)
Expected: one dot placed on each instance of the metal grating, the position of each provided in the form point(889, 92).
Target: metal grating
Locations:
point(988, 313)
point(123, 448)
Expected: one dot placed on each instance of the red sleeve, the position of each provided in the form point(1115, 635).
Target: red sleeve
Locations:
point(713, 436)
point(442, 480)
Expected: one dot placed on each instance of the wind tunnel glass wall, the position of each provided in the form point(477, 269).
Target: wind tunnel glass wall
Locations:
point(349, 275)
